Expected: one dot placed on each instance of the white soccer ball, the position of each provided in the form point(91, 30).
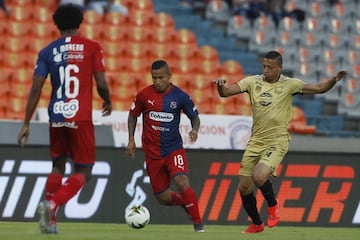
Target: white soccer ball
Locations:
point(137, 216)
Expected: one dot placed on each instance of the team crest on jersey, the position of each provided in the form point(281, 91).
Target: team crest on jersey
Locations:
point(173, 105)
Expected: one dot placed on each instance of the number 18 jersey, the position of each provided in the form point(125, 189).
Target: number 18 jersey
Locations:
point(71, 63)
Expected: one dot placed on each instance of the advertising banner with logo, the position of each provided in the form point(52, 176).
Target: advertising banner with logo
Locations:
point(314, 189)
point(216, 131)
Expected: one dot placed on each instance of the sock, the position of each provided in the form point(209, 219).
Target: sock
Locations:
point(268, 193)
point(191, 204)
point(249, 203)
point(176, 199)
point(53, 184)
point(72, 185)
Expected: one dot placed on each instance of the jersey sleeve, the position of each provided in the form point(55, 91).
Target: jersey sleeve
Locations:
point(41, 66)
point(136, 106)
point(245, 84)
point(189, 107)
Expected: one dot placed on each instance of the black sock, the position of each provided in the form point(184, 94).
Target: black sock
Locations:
point(268, 193)
point(249, 203)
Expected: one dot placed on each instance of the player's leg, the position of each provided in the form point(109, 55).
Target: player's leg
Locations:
point(266, 167)
point(246, 187)
point(178, 168)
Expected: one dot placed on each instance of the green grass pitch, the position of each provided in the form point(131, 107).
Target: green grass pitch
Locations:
point(102, 231)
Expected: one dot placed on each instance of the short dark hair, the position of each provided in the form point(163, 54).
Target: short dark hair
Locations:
point(158, 64)
point(68, 16)
point(274, 55)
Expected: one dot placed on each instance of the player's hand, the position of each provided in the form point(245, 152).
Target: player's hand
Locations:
point(193, 134)
point(107, 109)
point(340, 75)
point(130, 149)
point(23, 135)
point(220, 82)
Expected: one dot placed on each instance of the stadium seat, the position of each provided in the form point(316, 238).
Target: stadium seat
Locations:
point(182, 80)
point(141, 18)
point(139, 34)
point(318, 10)
point(141, 5)
point(115, 19)
point(217, 11)
point(15, 44)
point(162, 51)
point(138, 50)
point(208, 52)
point(16, 108)
point(21, 14)
point(185, 36)
point(162, 35)
point(261, 41)
point(232, 69)
point(43, 15)
point(185, 51)
point(164, 20)
point(18, 29)
point(298, 122)
point(239, 26)
point(42, 30)
point(184, 66)
point(115, 33)
point(92, 17)
point(289, 24)
point(209, 67)
point(92, 31)
point(114, 49)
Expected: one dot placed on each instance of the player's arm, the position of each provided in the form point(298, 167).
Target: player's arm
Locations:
point(225, 91)
point(324, 86)
point(103, 91)
point(195, 125)
point(131, 147)
point(31, 104)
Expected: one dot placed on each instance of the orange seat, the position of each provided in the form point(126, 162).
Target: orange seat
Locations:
point(121, 78)
point(138, 65)
point(43, 15)
point(38, 44)
point(164, 20)
point(16, 108)
point(207, 52)
point(181, 80)
point(139, 34)
point(115, 19)
point(141, 5)
point(51, 5)
point(184, 66)
point(232, 68)
point(209, 67)
point(161, 51)
point(137, 50)
point(92, 31)
point(185, 51)
point(123, 93)
point(113, 64)
point(202, 81)
point(19, 3)
point(15, 44)
point(21, 14)
point(15, 60)
point(44, 30)
point(200, 95)
point(141, 18)
point(114, 49)
point(143, 79)
point(162, 35)
point(185, 36)
point(115, 33)
point(20, 89)
point(18, 29)
point(298, 122)
point(92, 17)
point(22, 76)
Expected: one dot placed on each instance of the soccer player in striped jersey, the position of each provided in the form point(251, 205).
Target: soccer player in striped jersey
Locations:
point(161, 105)
point(271, 95)
point(72, 63)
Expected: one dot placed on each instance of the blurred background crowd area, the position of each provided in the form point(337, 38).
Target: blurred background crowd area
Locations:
point(202, 40)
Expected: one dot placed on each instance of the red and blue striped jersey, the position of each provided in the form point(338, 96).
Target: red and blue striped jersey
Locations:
point(71, 63)
point(161, 114)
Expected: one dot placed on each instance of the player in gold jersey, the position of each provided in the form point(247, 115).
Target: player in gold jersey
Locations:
point(271, 96)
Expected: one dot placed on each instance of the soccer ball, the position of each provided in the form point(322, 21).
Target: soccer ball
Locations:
point(137, 216)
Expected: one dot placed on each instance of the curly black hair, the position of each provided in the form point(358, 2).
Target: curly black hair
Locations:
point(68, 16)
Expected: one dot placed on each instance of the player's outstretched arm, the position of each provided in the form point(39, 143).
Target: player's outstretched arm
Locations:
point(324, 86)
point(225, 91)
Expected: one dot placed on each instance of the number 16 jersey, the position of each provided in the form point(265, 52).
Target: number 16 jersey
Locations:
point(71, 63)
